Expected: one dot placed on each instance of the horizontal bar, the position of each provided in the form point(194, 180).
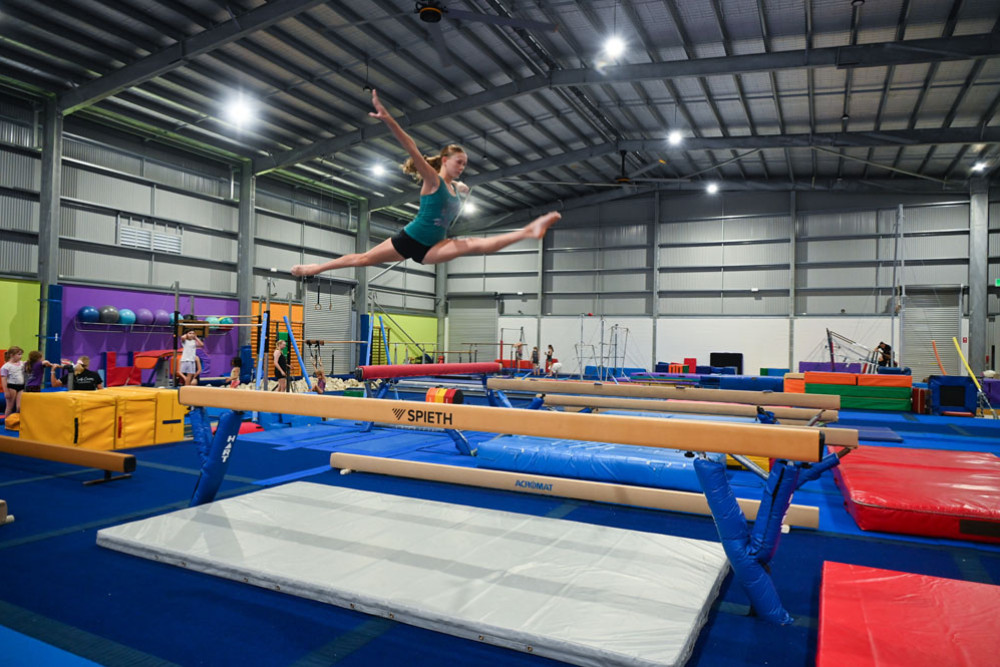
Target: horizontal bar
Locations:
point(544, 485)
point(89, 458)
point(820, 401)
point(792, 443)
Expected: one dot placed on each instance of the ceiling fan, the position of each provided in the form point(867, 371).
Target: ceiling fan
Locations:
point(622, 180)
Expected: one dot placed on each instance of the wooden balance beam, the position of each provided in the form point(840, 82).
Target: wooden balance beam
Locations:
point(840, 437)
point(791, 443)
point(818, 401)
point(693, 407)
point(109, 462)
point(602, 492)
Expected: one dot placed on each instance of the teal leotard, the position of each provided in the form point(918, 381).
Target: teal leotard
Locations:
point(437, 211)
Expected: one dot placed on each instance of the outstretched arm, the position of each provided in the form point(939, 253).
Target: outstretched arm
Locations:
point(426, 171)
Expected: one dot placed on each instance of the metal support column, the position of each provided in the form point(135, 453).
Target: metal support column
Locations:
point(48, 218)
point(979, 242)
point(245, 246)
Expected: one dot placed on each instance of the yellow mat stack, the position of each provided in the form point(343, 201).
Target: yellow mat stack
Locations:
point(114, 418)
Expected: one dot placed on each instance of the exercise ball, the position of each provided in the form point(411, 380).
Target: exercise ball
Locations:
point(143, 316)
point(226, 323)
point(88, 314)
point(162, 317)
point(109, 315)
point(213, 321)
point(126, 316)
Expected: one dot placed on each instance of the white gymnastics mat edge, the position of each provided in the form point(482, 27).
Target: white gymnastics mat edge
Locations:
point(584, 594)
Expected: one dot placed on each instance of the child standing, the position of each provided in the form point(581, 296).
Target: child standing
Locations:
point(281, 365)
point(234, 374)
point(320, 386)
point(12, 378)
point(189, 356)
point(34, 370)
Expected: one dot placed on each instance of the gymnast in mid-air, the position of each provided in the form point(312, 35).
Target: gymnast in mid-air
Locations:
point(425, 239)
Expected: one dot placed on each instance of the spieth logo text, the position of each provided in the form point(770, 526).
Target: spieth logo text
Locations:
point(429, 417)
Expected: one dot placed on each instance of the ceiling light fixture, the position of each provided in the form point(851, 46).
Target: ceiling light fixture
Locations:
point(979, 167)
point(845, 118)
point(469, 207)
point(614, 47)
point(712, 188)
point(241, 111)
point(857, 3)
point(378, 169)
point(675, 137)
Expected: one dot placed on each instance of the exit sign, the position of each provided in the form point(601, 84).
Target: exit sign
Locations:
point(998, 282)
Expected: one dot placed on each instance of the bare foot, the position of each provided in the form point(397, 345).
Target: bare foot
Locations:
point(537, 227)
point(305, 269)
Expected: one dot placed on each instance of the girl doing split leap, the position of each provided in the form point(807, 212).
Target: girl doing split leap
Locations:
point(425, 238)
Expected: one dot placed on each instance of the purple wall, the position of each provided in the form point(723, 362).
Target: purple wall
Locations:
point(93, 339)
point(824, 367)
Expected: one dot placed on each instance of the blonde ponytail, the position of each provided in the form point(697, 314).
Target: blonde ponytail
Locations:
point(434, 161)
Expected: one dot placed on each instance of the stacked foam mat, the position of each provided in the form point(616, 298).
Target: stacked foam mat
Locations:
point(114, 418)
point(862, 391)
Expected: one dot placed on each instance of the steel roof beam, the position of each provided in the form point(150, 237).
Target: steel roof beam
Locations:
point(178, 54)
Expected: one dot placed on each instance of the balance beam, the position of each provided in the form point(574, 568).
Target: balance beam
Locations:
point(693, 407)
point(109, 462)
point(619, 494)
point(819, 401)
point(791, 443)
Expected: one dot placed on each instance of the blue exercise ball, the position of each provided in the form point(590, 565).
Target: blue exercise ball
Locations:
point(213, 321)
point(126, 316)
point(88, 314)
point(162, 317)
point(109, 315)
point(226, 323)
point(144, 316)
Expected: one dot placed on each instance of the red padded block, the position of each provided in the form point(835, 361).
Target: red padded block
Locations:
point(925, 492)
point(884, 618)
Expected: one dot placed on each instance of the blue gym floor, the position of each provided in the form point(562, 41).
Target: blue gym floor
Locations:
point(65, 601)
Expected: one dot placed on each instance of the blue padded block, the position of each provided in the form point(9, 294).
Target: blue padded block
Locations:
point(703, 370)
point(709, 381)
point(945, 389)
point(580, 459)
point(752, 383)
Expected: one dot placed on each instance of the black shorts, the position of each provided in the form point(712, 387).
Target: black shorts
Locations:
point(15, 387)
point(409, 247)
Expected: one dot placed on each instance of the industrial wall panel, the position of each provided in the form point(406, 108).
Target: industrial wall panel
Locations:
point(17, 134)
point(209, 246)
point(750, 305)
point(931, 315)
point(628, 305)
point(201, 279)
point(769, 253)
point(328, 242)
point(922, 274)
point(281, 288)
point(833, 278)
point(994, 242)
point(626, 282)
point(186, 180)
point(102, 266)
point(115, 193)
point(511, 284)
point(823, 304)
point(17, 256)
point(266, 257)
point(701, 231)
point(757, 278)
point(694, 280)
point(838, 224)
point(571, 282)
point(379, 277)
point(463, 285)
point(522, 305)
point(201, 212)
point(420, 282)
point(511, 262)
point(319, 213)
point(692, 305)
point(713, 255)
point(472, 320)
point(612, 258)
point(89, 225)
point(18, 213)
point(319, 258)
point(571, 261)
point(624, 210)
point(747, 229)
point(101, 155)
point(574, 237)
point(20, 171)
point(935, 218)
point(467, 264)
point(415, 302)
point(625, 234)
point(567, 305)
point(279, 229)
point(266, 200)
point(935, 247)
point(994, 215)
point(390, 300)
point(837, 251)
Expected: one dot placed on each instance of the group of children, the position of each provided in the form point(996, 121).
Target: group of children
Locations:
point(552, 367)
point(19, 375)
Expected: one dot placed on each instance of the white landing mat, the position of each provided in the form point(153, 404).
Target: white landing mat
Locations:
point(583, 594)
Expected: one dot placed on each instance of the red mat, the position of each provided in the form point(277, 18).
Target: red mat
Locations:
point(925, 492)
point(878, 617)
